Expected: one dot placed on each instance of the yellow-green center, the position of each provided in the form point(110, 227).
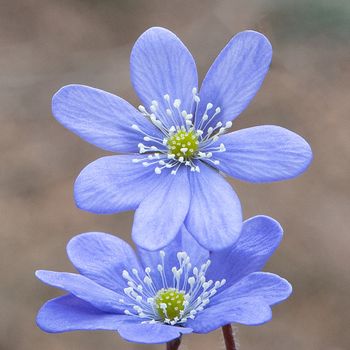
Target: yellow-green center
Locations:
point(169, 303)
point(183, 144)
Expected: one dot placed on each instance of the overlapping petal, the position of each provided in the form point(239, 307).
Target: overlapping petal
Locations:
point(69, 313)
point(236, 75)
point(113, 184)
point(247, 302)
point(161, 64)
point(161, 214)
point(151, 333)
point(264, 154)
point(247, 311)
point(83, 288)
point(98, 117)
point(102, 258)
point(214, 217)
point(259, 238)
point(272, 288)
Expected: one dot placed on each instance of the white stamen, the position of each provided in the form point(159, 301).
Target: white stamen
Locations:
point(177, 103)
point(170, 121)
point(142, 109)
point(142, 293)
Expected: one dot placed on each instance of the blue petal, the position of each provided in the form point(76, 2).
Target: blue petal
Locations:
point(113, 184)
point(98, 117)
point(68, 313)
point(183, 242)
point(214, 218)
point(102, 258)
point(247, 311)
point(161, 214)
point(161, 64)
point(151, 333)
point(236, 75)
point(272, 288)
point(264, 154)
point(196, 252)
point(102, 298)
point(259, 238)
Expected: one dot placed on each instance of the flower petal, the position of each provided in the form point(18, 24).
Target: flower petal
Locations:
point(160, 215)
point(264, 154)
point(98, 117)
point(183, 242)
point(259, 238)
point(102, 258)
point(102, 298)
point(214, 217)
point(236, 75)
point(272, 288)
point(196, 252)
point(68, 313)
point(113, 184)
point(161, 64)
point(151, 333)
point(247, 311)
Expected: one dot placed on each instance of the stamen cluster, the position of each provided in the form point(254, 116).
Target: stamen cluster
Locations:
point(184, 141)
point(156, 299)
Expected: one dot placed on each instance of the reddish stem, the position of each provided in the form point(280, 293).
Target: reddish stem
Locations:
point(229, 337)
point(173, 344)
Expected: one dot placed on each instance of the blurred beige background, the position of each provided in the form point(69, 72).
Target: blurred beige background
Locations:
point(45, 44)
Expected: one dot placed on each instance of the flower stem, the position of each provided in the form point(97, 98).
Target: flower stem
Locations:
point(173, 344)
point(229, 337)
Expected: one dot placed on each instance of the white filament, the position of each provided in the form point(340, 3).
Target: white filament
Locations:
point(157, 152)
point(142, 292)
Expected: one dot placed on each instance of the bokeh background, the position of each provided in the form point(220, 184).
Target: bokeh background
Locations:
point(45, 44)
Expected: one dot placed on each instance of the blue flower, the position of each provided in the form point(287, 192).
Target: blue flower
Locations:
point(176, 145)
point(156, 296)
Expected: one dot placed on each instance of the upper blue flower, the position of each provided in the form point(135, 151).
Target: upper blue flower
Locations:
point(157, 296)
point(176, 143)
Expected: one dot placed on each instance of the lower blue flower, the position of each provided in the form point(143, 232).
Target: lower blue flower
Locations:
point(156, 296)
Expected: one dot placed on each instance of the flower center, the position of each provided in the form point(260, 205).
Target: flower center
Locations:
point(183, 144)
point(170, 303)
point(186, 137)
point(156, 297)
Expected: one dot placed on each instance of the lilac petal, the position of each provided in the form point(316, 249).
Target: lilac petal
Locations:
point(68, 313)
point(236, 75)
point(102, 258)
point(113, 184)
point(160, 215)
point(98, 117)
point(102, 298)
point(272, 288)
point(151, 333)
point(161, 64)
point(183, 242)
point(264, 154)
point(196, 252)
point(214, 218)
point(247, 311)
point(259, 238)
